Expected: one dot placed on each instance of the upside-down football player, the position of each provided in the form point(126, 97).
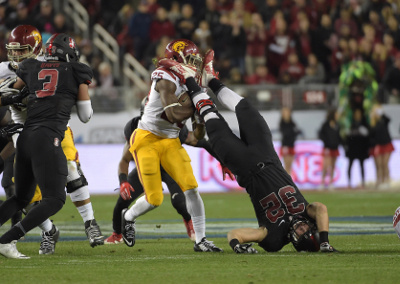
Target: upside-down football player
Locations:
point(282, 212)
point(24, 42)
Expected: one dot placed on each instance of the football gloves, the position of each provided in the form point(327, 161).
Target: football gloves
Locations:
point(183, 71)
point(11, 129)
point(125, 190)
point(244, 248)
point(326, 247)
point(226, 171)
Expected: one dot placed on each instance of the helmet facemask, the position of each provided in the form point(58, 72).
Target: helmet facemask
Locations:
point(308, 240)
point(18, 53)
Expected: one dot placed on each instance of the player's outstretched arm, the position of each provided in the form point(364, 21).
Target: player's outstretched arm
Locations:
point(83, 104)
point(123, 168)
point(239, 239)
point(319, 213)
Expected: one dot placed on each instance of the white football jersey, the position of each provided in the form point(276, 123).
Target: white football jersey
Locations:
point(154, 118)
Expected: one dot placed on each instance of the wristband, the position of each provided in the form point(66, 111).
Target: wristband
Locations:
point(192, 86)
point(122, 178)
point(323, 237)
point(233, 243)
point(215, 85)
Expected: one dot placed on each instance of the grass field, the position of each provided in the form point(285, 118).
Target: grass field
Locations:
point(360, 228)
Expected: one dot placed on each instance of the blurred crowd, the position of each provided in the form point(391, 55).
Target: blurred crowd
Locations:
point(255, 41)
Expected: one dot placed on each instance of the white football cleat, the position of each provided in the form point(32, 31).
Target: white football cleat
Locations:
point(10, 251)
point(396, 221)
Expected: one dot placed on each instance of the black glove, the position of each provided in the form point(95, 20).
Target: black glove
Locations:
point(244, 248)
point(11, 97)
point(11, 129)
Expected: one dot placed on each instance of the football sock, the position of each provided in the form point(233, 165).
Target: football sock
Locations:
point(229, 98)
point(179, 202)
point(46, 225)
point(140, 207)
point(195, 207)
point(86, 212)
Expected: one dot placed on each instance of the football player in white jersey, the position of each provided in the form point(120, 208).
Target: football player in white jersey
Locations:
point(25, 41)
point(156, 142)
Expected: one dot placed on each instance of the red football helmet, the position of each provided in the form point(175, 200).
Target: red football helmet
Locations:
point(25, 41)
point(184, 51)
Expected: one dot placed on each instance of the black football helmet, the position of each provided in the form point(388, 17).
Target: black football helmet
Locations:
point(61, 47)
point(309, 241)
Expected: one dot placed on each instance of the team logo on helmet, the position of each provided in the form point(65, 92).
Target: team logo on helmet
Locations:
point(36, 35)
point(179, 46)
point(72, 43)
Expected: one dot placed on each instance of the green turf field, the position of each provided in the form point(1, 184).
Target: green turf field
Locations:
point(360, 228)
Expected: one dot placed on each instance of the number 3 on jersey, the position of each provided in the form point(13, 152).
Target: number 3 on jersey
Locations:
point(50, 85)
point(272, 203)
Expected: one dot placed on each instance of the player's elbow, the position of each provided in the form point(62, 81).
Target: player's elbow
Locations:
point(85, 110)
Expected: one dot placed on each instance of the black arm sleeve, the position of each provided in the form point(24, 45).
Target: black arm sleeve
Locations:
point(203, 143)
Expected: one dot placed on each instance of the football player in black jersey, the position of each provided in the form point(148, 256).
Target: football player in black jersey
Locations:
point(55, 86)
point(282, 212)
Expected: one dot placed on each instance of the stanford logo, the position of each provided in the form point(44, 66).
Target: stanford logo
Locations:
point(71, 43)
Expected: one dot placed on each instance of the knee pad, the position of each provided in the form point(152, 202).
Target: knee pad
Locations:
point(75, 178)
point(149, 166)
point(155, 198)
point(80, 194)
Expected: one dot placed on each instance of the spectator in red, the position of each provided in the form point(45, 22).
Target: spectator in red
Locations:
point(224, 6)
point(346, 23)
point(293, 67)
point(301, 6)
point(256, 44)
point(161, 25)
point(278, 44)
point(261, 76)
point(340, 55)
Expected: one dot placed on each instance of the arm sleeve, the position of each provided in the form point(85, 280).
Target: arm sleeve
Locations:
point(84, 109)
point(203, 143)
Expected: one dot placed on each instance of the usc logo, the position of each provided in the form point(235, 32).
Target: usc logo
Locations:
point(36, 35)
point(179, 46)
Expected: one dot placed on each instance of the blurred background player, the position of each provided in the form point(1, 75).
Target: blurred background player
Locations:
point(289, 132)
point(282, 212)
point(329, 133)
point(156, 142)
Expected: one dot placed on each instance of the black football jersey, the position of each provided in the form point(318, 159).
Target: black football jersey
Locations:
point(275, 199)
point(53, 89)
